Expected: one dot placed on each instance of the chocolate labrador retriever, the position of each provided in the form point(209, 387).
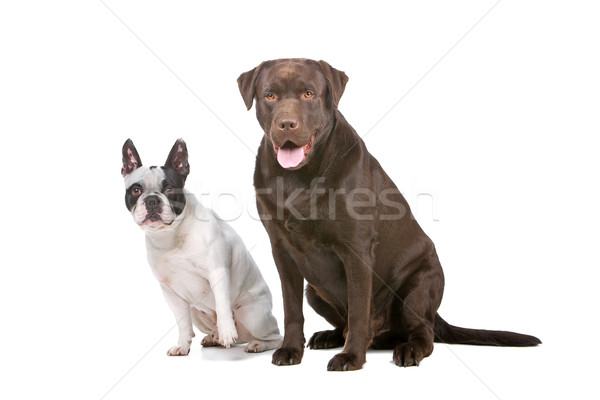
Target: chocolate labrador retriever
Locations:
point(336, 219)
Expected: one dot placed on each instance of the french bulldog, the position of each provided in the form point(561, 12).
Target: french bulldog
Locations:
point(206, 274)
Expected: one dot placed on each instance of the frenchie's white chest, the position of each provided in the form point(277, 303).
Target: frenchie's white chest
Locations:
point(183, 276)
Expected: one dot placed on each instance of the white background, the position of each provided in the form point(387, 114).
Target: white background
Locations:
point(488, 126)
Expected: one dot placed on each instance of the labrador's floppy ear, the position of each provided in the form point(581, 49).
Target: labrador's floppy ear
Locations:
point(247, 84)
point(178, 158)
point(336, 79)
point(131, 158)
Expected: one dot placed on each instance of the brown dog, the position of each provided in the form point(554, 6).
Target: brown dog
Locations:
point(337, 220)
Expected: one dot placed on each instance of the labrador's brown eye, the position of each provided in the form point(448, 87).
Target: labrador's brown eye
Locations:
point(308, 94)
point(270, 96)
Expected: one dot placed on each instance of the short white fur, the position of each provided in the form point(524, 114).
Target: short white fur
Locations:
point(206, 274)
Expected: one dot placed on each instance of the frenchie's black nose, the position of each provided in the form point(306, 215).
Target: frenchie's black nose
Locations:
point(153, 203)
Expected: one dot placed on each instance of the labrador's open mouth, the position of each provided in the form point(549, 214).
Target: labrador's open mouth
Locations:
point(290, 155)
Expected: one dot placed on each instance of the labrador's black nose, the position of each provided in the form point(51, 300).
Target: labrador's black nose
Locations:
point(288, 124)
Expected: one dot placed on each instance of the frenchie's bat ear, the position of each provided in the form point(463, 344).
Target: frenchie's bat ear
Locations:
point(131, 158)
point(178, 158)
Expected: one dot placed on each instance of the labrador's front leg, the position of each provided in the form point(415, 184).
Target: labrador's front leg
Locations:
point(358, 266)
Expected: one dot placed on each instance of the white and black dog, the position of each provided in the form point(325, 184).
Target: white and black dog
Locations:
point(207, 275)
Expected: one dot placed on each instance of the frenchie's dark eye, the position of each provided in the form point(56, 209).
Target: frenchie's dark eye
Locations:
point(136, 190)
point(168, 190)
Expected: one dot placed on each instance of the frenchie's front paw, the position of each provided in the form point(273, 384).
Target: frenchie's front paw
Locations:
point(228, 338)
point(179, 351)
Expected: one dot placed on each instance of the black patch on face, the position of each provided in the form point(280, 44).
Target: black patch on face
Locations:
point(132, 194)
point(172, 187)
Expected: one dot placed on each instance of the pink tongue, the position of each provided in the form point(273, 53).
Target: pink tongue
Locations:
point(290, 157)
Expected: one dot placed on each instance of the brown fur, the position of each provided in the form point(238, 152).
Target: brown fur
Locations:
point(338, 221)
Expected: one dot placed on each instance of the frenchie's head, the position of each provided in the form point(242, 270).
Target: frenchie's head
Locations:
point(154, 195)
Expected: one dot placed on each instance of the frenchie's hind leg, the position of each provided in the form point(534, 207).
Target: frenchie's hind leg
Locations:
point(258, 346)
point(206, 322)
point(211, 340)
point(257, 326)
